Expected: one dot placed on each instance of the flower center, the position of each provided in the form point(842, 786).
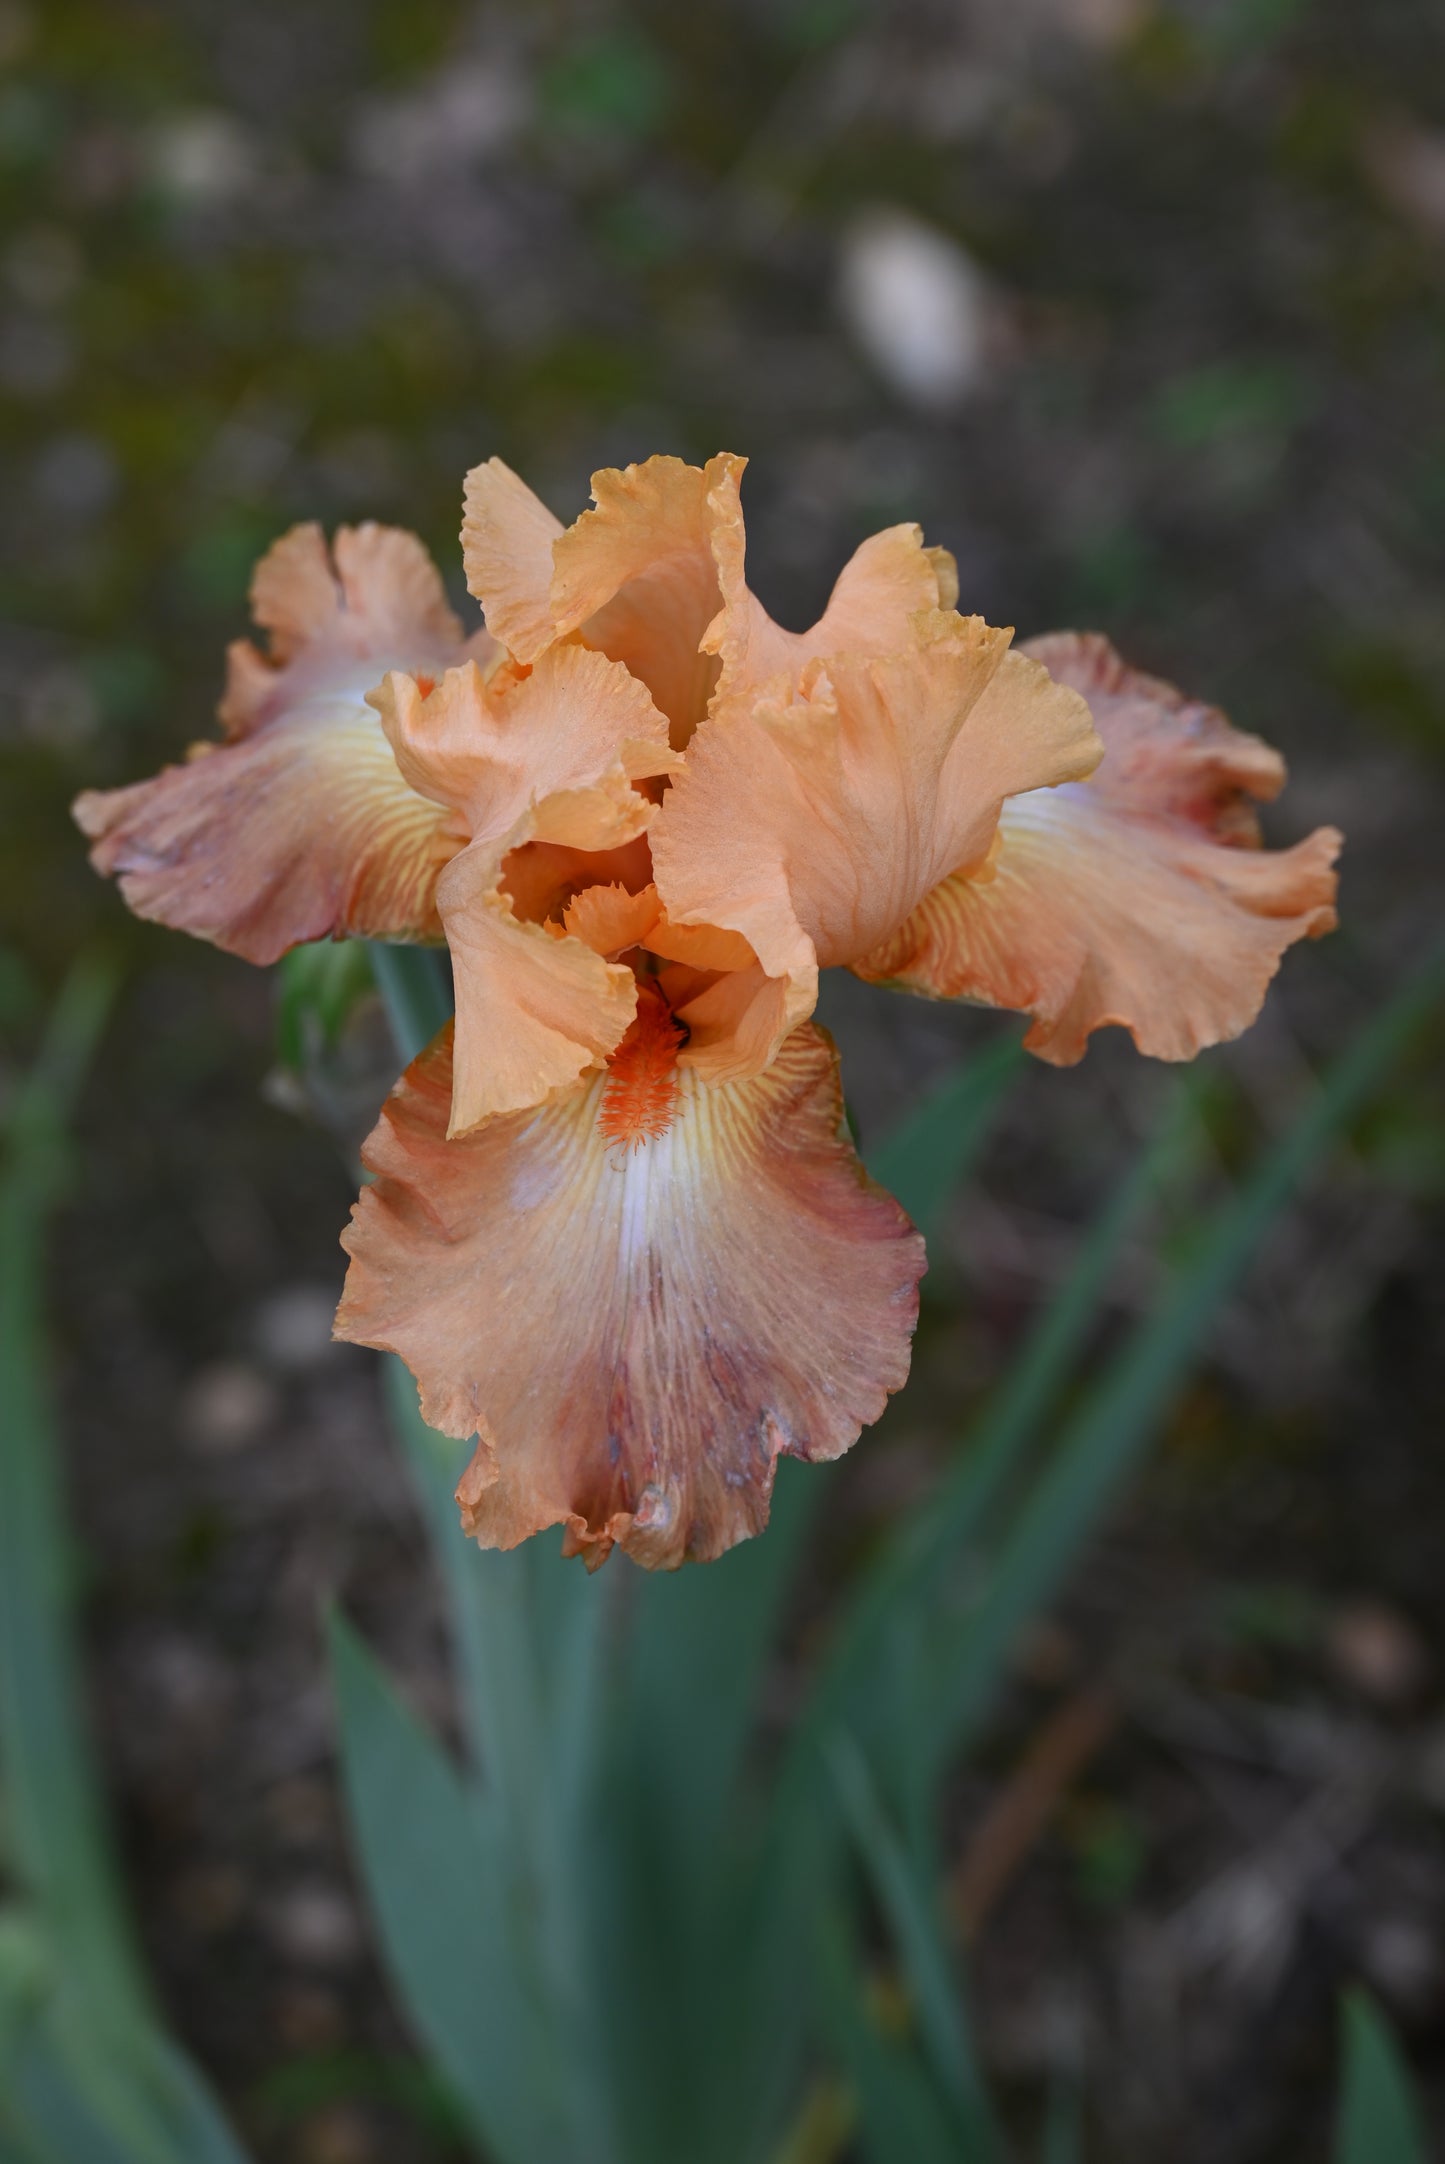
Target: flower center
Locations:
point(639, 1099)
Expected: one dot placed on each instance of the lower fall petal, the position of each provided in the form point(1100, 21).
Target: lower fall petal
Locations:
point(635, 1335)
point(299, 825)
point(302, 828)
point(1139, 898)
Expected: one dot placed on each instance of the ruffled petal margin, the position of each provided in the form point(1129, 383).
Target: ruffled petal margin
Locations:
point(1141, 897)
point(635, 1336)
point(888, 579)
point(547, 758)
point(634, 578)
point(299, 825)
point(653, 576)
point(812, 818)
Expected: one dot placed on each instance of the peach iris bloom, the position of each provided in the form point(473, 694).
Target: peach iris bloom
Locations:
point(617, 1229)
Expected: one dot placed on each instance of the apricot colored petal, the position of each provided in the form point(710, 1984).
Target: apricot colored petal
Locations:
point(736, 1023)
point(534, 1011)
point(889, 578)
point(300, 825)
point(1140, 897)
point(301, 830)
point(636, 578)
point(545, 759)
point(372, 600)
point(541, 878)
point(556, 750)
point(635, 1337)
point(701, 946)
point(609, 920)
point(507, 539)
point(813, 820)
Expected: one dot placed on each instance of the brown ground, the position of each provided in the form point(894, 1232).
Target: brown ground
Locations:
point(1207, 420)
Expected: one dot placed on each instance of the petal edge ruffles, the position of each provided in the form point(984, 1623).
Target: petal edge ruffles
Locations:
point(635, 1337)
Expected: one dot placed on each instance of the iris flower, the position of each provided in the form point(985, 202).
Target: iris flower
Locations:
point(616, 1227)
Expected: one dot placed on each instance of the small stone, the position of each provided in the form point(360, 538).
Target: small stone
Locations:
point(316, 1926)
point(293, 1327)
point(226, 1406)
point(203, 157)
point(918, 305)
point(1406, 161)
point(1377, 1652)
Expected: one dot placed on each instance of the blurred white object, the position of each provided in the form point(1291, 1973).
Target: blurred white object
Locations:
point(292, 1329)
point(203, 157)
point(917, 305)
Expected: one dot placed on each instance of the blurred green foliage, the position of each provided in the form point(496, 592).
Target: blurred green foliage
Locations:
point(274, 263)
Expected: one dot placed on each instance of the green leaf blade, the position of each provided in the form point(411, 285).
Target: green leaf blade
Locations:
point(438, 1888)
point(1379, 2120)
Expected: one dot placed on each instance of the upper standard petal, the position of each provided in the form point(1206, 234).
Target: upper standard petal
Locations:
point(653, 576)
point(300, 825)
point(1141, 897)
point(635, 1336)
point(814, 816)
point(634, 578)
point(888, 579)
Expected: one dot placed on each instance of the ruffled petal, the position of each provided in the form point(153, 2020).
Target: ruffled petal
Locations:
point(889, 578)
point(635, 1336)
point(609, 920)
point(541, 878)
point(653, 576)
point(556, 750)
point(300, 825)
point(533, 1011)
point(736, 1023)
point(813, 820)
point(507, 538)
point(547, 758)
point(636, 579)
point(1141, 897)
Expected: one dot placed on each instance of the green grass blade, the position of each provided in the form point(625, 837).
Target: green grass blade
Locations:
point(1064, 2126)
point(47, 2113)
point(912, 1913)
point(94, 2047)
point(317, 987)
point(1101, 1446)
point(721, 1624)
point(924, 1158)
point(416, 991)
point(528, 1631)
point(1379, 2120)
point(901, 1580)
point(901, 2118)
point(488, 1599)
point(441, 1890)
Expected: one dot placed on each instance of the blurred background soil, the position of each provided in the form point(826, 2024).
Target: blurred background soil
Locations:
point(1140, 309)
